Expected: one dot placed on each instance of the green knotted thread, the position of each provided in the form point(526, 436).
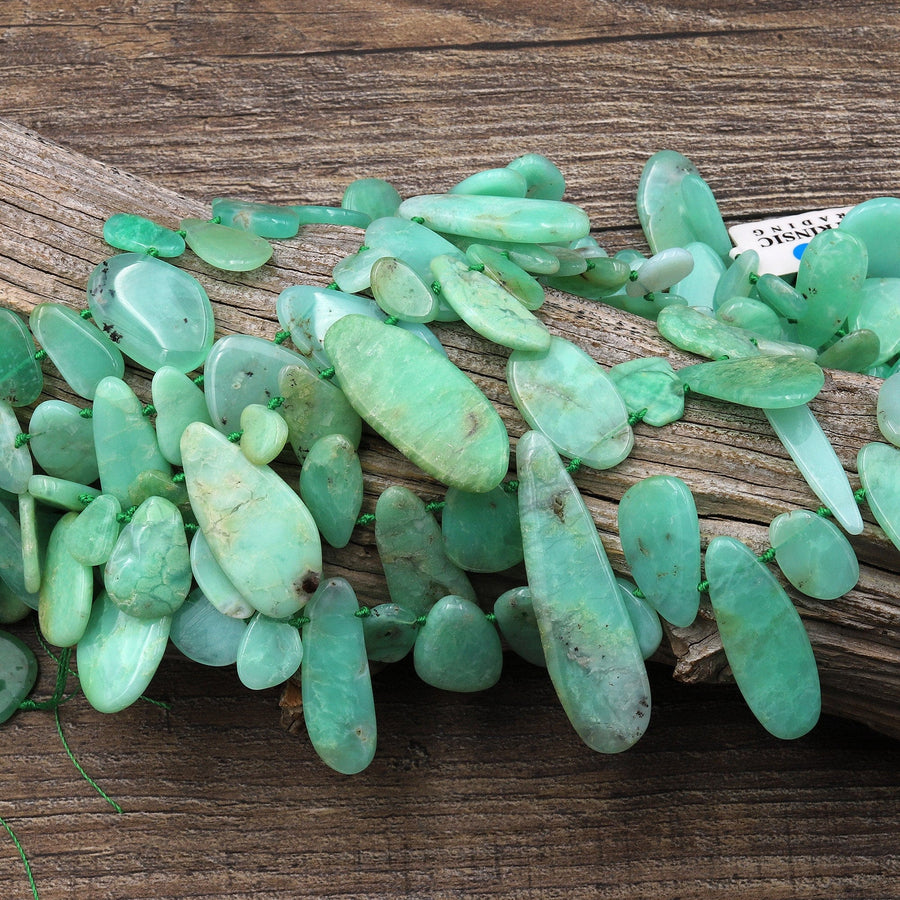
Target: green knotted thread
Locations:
point(390, 320)
point(435, 506)
point(126, 515)
point(85, 498)
point(767, 555)
point(363, 612)
point(275, 402)
point(477, 268)
point(198, 381)
point(435, 287)
point(178, 478)
point(418, 220)
point(281, 337)
point(86, 314)
point(299, 621)
point(24, 858)
point(191, 527)
point(235, 436)
point(366, 519)
point(327, 373)
point(511, 486)
point(22, 439)
point(149, 410)
point(574, 465)
point(40, 354)
point(637, 416)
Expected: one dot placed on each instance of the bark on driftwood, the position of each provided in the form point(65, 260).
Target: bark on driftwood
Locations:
point(52, 206)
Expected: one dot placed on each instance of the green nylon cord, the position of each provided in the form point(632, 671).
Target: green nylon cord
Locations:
point(40, 354)
point(24, 858)
point(78, 766)
point(281, 337)
point(21, 439)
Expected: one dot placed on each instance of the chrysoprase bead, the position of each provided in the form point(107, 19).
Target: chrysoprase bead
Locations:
point(644, 618)
point(514, 611)
point(781, 296)
point(503, 182)
point(126, 231)
point(481, 531)
point(11, 563)
point(118, 655)
point(148, 573)
point(309, 214)
point(314, 408)
point(488, 308)
point(12, 609)
point(751, 315)
point(661, 271)
point(544, 179)
point(802, 435)
point(16, 466)
point(264, 433)
point(876, 223)
point(124, 439)
point(533, 258)
point(567, 396)
point(650, 386)
point(592, 654)
point(205, 635)
point(178, 402)
point(879, 472)
point(570, 261)
point(92, 536)
point(507, 274)
point(390, 632)
point(156, 483)
point(703, 216)
point(31, 550)
point(879, 311)
point(331, 486)
point(588, 248)
point(813, 554)
point(82, 353)
point(230, 249)
point(269, 653)
point(264, 219)
point(67, 589)
point(764, 640)
point(458, 649)
point(60, 493)
point(738, 279)
point(338, 706)
point(155, 313)
point(258, 529)
point(62, 441)
point(242, 369)
point(409, 542)
point(769, 347)
point(373, 196)
point(400, 292)
point(766, 382)
point(18, 673)
point(215, 584)
point(830, 278)
point(695, 332)
point(353, 273)
point(420, 402)
point(888, 409)
point(499, 218)
point(660, 536)
point(21, 378)
point(857, 351)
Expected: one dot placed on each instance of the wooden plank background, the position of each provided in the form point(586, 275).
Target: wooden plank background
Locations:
point(784, 107)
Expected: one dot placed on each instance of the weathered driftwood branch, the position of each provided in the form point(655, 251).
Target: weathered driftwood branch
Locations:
point(52, 206)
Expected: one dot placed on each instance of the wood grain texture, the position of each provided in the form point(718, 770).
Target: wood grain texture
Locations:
point(784, 106)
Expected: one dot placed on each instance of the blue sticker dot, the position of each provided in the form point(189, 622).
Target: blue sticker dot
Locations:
point(798, 250)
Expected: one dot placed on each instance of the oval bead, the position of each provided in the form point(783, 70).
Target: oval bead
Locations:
point(879, 311)
point(661, 271)
point(263, 433)
point(205, 635)
point(570, 261)
point(93, 535)
point(879, 471)
point(269, 653)
point(374, 197)
point(21, 378)
point(543, 178)
point(400, 292)
point(481, 531)
point(215, 584)
point(390, 632)
point(751, 315)
point(309, 214)
point(67, 589)
point(178, 402)
point(264, 219)
point(643, 617)
point(18, 673)
point(888, 409)
point(12, 608)
point(62, 441)
point(338, 706)
point(691, 330)
point(649, 385)
point(516, 619)
point(738, 279)
point(857, 351)
point(781, 296)
point(16, 466)
point(126, 231)
point(764, 640)
point(504, 182)
point(59, 493)
point(876, 223)
point(567, 396)
point(526, 289)
point(420, 402)
point(12, 571)
point(229, 249)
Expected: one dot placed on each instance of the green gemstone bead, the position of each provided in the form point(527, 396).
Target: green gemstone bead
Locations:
point(16, 466)
point(543, 178)
point(264, 433)
point(888, 409)
point(857, 351)
point(263, 219)
point(331, 215)
point(18, 673)
point(59, 493)
point(12, 609)
point(764, 640)
point(738, 279)
point(751, 315)
point(390, 632)
point(879, 471)
point(21, 378)
point(31, 550)
point(126, 231)
point(268, 654)
point(93, 535)
point(12, 572)
point(67, 589)
point(876, 223)
point(481, 531)
point(459, 649)
point(507, 274)
point(516, 619)
point(570, 261)
point(533, 258)
point(205, 635)
point(781, 296)
point(154, 483)
point(644, 618)
point(650, 384)
point(493, 183)
point(563, 393)
point(230, 249)
point(62, 441)
point(215, 584)
point(338, 706)
point(703, 216)
point(372, 196)
point(400, 292)
point(879, 311)
point(695, 332)
point(660, 272)
point(178, 402)
point(353, 273)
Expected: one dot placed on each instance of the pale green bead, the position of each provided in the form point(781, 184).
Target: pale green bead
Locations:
point(126, 231)
point(178, 402)
point(353, 273)
point(309, 214)
point(18, 673)
point(879, 471)
point(876, 223)
point(60, 493)
point(660, 272)
point(544, 180)
point(703, 216)
point(507, 274)
point(599, 282)
point(648, 306)
point(12, 609)
point(373, 196)
point(16, 466)
point(458, 649)
point(534, 258)
point(92, 536)
point(738, 279)
point(781, 296)
point(764, 640)
point(62, 441)
point(563, 393)
point(118, 655)
point(695, 332)
point(338, 706)
point(493, 183)
point(269, 653)
point(12, 571)
point(888, 410)
point(230, 249)
point(481, 531)
point(879, 311)
point(857, 351)
point(644, 618)
point(31, 551)
point(570, 261)
point(768, 347)
point(263, 219)
point(215, 584)
point(390, 632)
point(650, 385)
point(156, 483)
point(264, 433)
point(588, 248)
point(67, 589)
point(205, 635)
point(400, 292)
point(516, 619)
point(21, 378)
point(751, 315)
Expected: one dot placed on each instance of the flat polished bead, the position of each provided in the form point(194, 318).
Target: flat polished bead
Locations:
point(738, 279)
point(338, 706)
point(178, 402)
point(21, 378)
point(592, 653)
point(526, 289)
point(417, 570)
point(879, 311)
point(126, 231)
point(390, 632)
point(499, 218)
point(660, 535)
point(353, 273)
point(268, 654)
point(857, 351)
point(92, 536)
point(264, 219)
point(230, 249)
point(60, 493)
point(570, 261)
point(703, 216)
point(876, 223)
point(888, 409)
point(18, 673)
point(264, 433)
point(644, 618)
point(533, 258)
point(765, 382)
point(119, 655)
point(481, 531)
point(12, 571)
point(517, 622)
point(310, 214)
point(650, 384)
point(16, 466)
point(813, 554)
point(12, 609)
point(31, 550)
point(67, 589)
point(205, 635)
point(503, 182)
point(879, 471)
point(458, 649)
point(543, 178)
point(566, 395)
point(373, 196)
point(764, 639)
point(420, 402)
point(215, 584)
point(124, 289)
point(258, 529)
point(156, 483)
point(695, 332)
point(751, 315)
point(62, 441)
point(661, 271)
point(781, 296)
point(400, 292)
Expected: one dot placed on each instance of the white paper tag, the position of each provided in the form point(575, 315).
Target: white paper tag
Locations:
point(780, 242)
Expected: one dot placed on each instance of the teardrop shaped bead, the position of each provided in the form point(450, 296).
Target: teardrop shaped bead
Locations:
point(738, 279)
point(374, 197)
point(93, 535)
point(310, 214)
point(879, 311)
point(781, 296)
point(18, 673)
point(516, 619)
point(62, 441)
point(764, 639)
point(458, 649)
point(264, 433)
point(543, 178)
point(229, 249)
point(420, 402)
point(400, 292)
point(702, 214)
point(503, 182)
point(269, 653)
point(567, 396)
point(215, 584)
point(31, 551)
point(481, 531)
point(21, 378)
point(390, 632)
point(592, 653)
point(660, 535)
point(331, 486)
point(119, 655)
point(178, 402)
point(765, 382)
point(124, 439)
point(879, 471)
point(751, 315)
point(155, 313)
point(338, 706)
point(649, 385)
point(888, 409)
point(525, 288)
point(127, 231)
point(258, 529)
point(264, 219)
point(876, 223)
point(813, 554)
point(60, 493)
point(661, 271)
point(643, 617)
point(67, 589)
point(417, 570)
point(691, 330)
point(16, 466)
point(205, 635)
point(155, 483)
point(353, 273)
point(857, 351)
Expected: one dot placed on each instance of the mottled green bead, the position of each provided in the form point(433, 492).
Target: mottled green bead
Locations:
point(691, 330)
point(879, 311)
point(400, 292)
point(458, 649)
point(526, 289)
point(31, 550)
point(93, 535)
point(516, 619)
point(263, 219)
point(268, 654)
point(60, 493)
point(62, 441)
point(857, 351)
point(331, 486)
point(503, 182)
point(331, 215)
point(229, 249)
point(644, 618)
point(18, 673)
point(353, 273)
point(781, 296)
point(205, 635)
point(21, 378)
point(660, 272)
point(373, 196)
point(533, 258)
point(876, 223)
point(16, 466)
point(390, 632)
point(570, 262)
point(543, 179)
point(12, 571)
point(178, 402)
point(649, 386)
point(264, 433)
point(698, 287)
point(481, 531)
point(888, 409)
point(215, 584)
point(67, 589)
point(156, 483)
point(879, 472)
point(751, 315)
point(126, 231)
point(738, 279)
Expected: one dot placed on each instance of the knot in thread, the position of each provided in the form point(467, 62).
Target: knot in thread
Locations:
point(476, 267)
point(859, 495)
point(637, 416)
point(391, 320)
point(178, 478)
point(703, 587)
point(235, 436)
point(86, 499)
point(419, 220)
point(511, 486)
point(633, 275)
point(275, 402)
point(40, 354)
point(435, 505)
point(767, 555)
point(363, 612)
point(126, 516)
point(152, 251)
point(366, 519)
point(149, 410)
point(327, 373)
point(21, 439)
point(574, 465)
point(280, 337)
point(198, 380)
point(86, 314)
point(421, 620)
point(435, 287)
